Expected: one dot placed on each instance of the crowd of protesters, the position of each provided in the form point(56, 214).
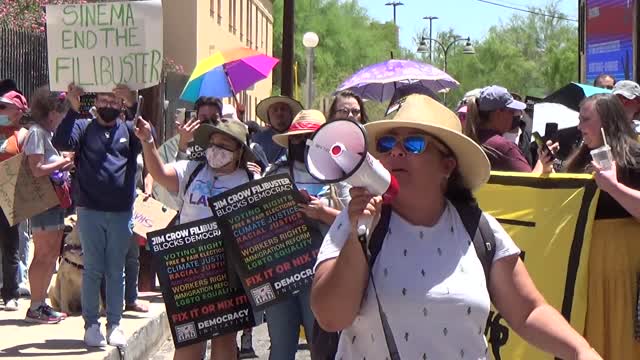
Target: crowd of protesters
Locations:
point(436, 297)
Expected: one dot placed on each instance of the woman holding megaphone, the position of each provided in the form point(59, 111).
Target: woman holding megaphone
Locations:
point(425, 291)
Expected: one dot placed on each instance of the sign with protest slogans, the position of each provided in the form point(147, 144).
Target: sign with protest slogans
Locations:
point(274, 245)
point(100, 45)
point(21, 194)
point(551, 223)
point(150, 215)
point(190, 262)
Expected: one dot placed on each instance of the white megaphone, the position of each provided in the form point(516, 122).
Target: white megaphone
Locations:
point(337, 152)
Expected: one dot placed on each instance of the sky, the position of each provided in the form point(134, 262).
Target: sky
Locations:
point(467, 17)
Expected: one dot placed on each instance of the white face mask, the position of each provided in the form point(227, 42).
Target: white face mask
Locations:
point(513, 137)
point(4, 120)
point(218, 157)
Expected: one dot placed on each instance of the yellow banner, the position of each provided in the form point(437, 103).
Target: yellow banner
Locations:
point(550, 219)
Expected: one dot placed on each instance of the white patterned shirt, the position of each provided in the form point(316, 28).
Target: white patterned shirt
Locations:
point(431, 286)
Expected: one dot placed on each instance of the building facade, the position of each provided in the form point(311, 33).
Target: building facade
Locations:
point(195, 29)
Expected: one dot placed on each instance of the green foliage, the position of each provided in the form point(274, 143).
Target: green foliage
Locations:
point(528, 54)
point(349, 40)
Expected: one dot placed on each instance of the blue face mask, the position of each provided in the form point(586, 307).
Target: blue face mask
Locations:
point(4, 120)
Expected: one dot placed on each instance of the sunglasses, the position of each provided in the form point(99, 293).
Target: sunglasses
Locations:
point(413, 144)
point(346, 112)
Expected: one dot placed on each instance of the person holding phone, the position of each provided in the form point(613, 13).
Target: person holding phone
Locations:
point(321, 203)
point(103, 192)
point(491, 115)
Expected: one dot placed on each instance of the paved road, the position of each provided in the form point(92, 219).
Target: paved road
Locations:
point(260, 345)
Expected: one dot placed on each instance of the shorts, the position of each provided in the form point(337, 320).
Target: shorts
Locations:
point(52, 219)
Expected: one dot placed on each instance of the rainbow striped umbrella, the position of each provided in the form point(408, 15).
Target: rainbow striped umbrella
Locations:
point(225, 73)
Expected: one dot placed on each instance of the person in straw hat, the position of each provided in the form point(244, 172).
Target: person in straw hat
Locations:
point(429, 279)
point(277, 112)
point(285, 318)
point(226, 154)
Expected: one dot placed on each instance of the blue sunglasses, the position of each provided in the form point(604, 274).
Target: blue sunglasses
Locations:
point(413, 144)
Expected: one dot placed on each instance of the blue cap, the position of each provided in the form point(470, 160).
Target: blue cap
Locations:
point(495, 97)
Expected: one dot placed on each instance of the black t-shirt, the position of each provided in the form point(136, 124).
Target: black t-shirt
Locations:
point(608, 207)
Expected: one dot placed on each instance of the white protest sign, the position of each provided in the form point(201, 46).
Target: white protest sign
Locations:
point(100, 45)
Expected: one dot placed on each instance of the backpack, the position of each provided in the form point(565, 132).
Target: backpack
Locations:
point(324, 345)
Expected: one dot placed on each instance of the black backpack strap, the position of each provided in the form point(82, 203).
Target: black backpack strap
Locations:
point(371, 249)
point(378, 235)
point(192, 176)
point(481, 234)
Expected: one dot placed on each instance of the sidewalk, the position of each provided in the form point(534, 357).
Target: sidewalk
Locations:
point(145, 333)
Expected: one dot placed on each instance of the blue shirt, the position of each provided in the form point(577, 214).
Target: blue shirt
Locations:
point(105, 159)
point(273, 151)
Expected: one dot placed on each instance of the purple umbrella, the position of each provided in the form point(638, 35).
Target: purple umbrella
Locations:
point(379, 81)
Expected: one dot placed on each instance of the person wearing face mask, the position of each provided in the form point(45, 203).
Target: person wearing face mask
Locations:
point(489, 117)
point(103, 192)
point(47, 110)
point(224, 167)
point(285, 318)
point(277, 112)
point(12, 108)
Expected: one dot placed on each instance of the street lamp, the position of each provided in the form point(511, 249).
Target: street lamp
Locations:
point(310, 41)
point(468, 48)
point(395, 4)
point(430, 18)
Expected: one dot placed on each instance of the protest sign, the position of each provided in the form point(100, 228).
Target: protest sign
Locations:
point(21, 194)
point(190, 263)
point(551, 224)
point(100, 45)
point(273, 247)
point(150, 215)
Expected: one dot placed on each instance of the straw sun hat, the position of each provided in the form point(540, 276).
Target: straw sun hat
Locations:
point(262, 109)
point(306, 122)
point(232, 128)
point(425, 114)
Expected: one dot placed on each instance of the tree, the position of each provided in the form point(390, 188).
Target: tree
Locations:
point(349, 40)
point(30, 15)
point(530, 55)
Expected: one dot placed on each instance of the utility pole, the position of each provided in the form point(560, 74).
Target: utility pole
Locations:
point(288, 24)
point(430, 18)
point(395, 4)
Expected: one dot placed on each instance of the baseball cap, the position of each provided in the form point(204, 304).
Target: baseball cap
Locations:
point(15, 98)
point(627, 88)
point(495, 97)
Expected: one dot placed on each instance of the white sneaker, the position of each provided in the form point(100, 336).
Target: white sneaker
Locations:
point(115, 336)
point(93, 337)
point(11, 305)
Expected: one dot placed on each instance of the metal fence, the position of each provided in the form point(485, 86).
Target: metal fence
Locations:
point(23, 58)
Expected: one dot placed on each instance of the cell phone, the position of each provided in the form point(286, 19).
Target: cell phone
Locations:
point(189, 114)
point(550, 130)
point(305, 195)
point(139, 108)
point(87, 101)
point(181, 114)
point(542, 144)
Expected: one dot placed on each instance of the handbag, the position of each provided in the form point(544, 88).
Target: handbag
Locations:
point(60, 183)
